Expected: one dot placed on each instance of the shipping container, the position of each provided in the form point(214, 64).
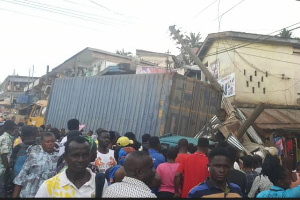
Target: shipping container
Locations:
point(141, 103)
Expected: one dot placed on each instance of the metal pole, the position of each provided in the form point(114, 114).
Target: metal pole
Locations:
point(244, 127)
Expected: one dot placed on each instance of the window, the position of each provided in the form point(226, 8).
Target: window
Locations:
point(36, 111)
point(266, 74)
point(250, 78)
point(252, 89)
point(247, 83)
point(264, 90)
point(43, 112)
point(258, 84)
point(244, 72)
point(262, 79)
point(255, 73)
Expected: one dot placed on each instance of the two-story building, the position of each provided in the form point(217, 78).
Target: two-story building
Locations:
point(14, 85)
point(253, 69)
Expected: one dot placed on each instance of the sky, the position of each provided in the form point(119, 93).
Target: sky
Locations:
point(37, 33)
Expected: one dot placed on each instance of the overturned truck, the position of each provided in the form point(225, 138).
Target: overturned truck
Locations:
point(141, 103)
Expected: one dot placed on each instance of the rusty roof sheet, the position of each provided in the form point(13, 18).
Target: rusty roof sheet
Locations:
point(273, 119)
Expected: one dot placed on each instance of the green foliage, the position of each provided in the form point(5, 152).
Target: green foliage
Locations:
point(192, 40)
point(285, 33)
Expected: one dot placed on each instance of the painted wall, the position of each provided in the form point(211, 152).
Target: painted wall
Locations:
point(272, 71)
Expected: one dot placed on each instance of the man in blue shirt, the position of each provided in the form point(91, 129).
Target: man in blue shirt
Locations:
point(280, 177)
point(154, 146)
point(216, 185)
point(158, 158)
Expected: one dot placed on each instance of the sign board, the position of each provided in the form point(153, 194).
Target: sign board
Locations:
point(213, 68)
point(228, 85)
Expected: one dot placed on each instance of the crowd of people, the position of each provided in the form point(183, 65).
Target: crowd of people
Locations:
point(48, 162)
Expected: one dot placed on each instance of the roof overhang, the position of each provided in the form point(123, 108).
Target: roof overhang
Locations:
point(246, 37)
point(287, 120)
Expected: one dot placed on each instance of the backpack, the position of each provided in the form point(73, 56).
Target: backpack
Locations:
point(20, 158)
point(99, 181)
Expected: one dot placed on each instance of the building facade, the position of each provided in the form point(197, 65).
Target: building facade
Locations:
point(254, 68)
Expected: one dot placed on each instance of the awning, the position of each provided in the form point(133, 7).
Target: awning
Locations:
point(276, 119)
point(5, 103)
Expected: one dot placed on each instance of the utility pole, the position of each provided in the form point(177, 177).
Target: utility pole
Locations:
point(256, 112)
point(207, 74)
point(167, 61)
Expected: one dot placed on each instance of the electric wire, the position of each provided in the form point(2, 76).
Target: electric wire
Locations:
point(255, 41)
point(65, 12)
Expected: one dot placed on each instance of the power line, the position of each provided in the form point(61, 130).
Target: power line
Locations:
point(51, 19)
point(284, 61)
point(205, 9)
point(228, 10)
point(58, 10)
point(105, 8)
point(255, 41)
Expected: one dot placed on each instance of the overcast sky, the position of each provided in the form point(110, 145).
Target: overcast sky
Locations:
point(43, 32)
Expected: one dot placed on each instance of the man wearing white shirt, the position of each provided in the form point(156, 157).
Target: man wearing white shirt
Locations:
point(75, 181)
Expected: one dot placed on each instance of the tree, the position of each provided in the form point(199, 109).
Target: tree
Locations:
point(124, 53)
point(285, 33)
point(193, 41)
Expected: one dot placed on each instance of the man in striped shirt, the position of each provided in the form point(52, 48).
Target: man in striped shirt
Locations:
point(216, 185)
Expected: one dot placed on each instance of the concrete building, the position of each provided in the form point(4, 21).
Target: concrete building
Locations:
point(162, 60)
point(14, 85)
point(254, 68)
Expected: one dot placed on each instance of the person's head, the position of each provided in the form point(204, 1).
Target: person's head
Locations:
point(154, 143)
point(73, 124)
point(73, 133)
point(62, 131)
point(146, 137)
point(248, 162)
point(56, 132)
point(103, 137)
point(28, 135)
point(257, 161)
point(232, 154)
point(77, 154)
point(219, 164)
point(130, 135)
point(21, 124)
point(42, 127)
point(139, 165)
point(48, 141)
point(9, 126)
point(277, 174)
point(172, 154)
point(93, 148)
point(203, 145)
point(90, 133)
point(190, 147)
point(183, 144)
point(124, 141)
point(222, 144)
point(114, 136)
point(47, 126)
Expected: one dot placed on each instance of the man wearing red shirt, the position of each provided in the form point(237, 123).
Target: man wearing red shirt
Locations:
point(182, 150)
point(193, 169)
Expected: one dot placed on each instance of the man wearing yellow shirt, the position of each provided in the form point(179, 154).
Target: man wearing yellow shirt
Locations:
point(75, 181)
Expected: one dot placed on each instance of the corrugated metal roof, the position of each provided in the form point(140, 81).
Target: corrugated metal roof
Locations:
point(272, 119)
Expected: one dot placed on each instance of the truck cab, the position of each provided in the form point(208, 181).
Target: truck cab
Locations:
point(37, 113)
